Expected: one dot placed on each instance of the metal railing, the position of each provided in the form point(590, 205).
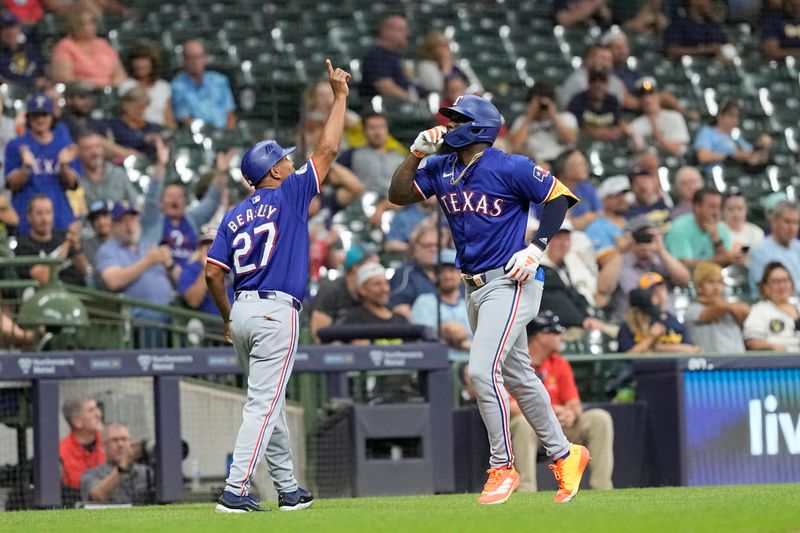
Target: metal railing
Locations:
point(113, 323)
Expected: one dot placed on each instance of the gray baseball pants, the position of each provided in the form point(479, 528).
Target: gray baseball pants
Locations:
point(264, 333)
point(499, 363)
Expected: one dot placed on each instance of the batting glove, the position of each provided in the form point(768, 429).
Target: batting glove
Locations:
point(523, 264)
point(428, 142)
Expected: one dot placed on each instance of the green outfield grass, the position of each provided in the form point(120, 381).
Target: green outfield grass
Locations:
point(720, 509)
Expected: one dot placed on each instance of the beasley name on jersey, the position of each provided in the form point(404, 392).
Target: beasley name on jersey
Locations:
point(264, 239)
point(487, 209)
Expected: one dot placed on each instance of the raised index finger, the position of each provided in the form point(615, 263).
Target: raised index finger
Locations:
point(330, 67)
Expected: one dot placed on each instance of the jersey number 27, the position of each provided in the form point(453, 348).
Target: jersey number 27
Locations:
point(243, 245)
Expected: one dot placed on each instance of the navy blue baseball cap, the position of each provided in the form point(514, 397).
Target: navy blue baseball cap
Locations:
point(123, 208)
point(40, 103)
point(643, 299)
point(8, 19)
point(545, 322)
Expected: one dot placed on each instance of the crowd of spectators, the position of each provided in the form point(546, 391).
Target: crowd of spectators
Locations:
point(67, 192)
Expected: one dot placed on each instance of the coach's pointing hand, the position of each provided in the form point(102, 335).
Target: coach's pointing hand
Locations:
point(339, 79)
point(523, 264)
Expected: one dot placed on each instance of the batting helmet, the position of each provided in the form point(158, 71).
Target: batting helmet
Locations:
point(260, 159)
point(484, 121)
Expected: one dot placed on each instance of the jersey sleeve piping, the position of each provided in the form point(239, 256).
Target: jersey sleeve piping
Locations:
point(419, 191)
point(220, 264)
point(550, 192)
point(316, 174)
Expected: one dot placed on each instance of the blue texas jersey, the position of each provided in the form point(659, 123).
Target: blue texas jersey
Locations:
point(264, 239)
point(488, 208)
point(44, 178)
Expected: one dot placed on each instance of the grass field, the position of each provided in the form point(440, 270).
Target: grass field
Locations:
point(761, 508)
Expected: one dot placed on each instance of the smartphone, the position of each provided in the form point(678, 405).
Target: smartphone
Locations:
point(745, 249)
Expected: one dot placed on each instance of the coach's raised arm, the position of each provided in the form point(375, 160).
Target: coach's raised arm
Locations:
point(331, 137)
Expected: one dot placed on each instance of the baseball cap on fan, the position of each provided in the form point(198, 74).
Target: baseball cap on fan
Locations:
point(650, 279)
point(123, 208)
point(355, 254)
point(613, 185)
point(40, 103)
point(8, 19)
point(207, 234)
point(99, 207)
point(545, 322)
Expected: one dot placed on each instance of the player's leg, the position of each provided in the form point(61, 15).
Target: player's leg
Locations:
point(497, 305)
point(533, 399)
point(534, 402)
point(595, 429)
point(494, 309)
point(526, 446)
point(278, 455)
point(269, 345)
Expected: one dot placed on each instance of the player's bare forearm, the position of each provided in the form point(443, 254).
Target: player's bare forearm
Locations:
point(215, 279)
point(331, 137)
point(402, 190)
point(328, 146)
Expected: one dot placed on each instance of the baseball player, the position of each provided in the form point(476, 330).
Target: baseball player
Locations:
point(485, 195)
point(264, 241)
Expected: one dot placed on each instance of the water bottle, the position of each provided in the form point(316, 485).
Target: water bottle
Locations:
point(195, 476)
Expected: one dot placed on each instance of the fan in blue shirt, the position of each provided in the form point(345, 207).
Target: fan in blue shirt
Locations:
point(201, 94)
point(41, 162)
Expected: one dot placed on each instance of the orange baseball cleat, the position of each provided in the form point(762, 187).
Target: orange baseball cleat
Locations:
point(501, 483)
point(569, 471)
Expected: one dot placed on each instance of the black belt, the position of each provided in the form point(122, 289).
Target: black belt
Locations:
point(272, 295)
point(479, 280)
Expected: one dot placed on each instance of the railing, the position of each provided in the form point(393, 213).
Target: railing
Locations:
point(111, 315)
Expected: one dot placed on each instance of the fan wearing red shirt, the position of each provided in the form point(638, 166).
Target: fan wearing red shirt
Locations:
point(82, 448)
point(593, 428)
